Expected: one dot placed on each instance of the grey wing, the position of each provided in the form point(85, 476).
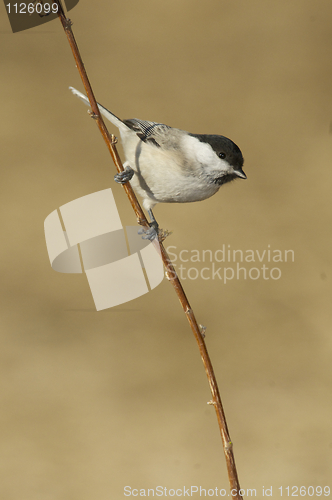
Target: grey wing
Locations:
point(149, 132)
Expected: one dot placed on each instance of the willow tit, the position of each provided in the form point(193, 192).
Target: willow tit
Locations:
point(169, 165)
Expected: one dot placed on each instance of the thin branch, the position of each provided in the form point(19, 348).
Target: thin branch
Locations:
point(170, 271)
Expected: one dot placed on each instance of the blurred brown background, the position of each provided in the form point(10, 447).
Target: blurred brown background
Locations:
point(92, 402)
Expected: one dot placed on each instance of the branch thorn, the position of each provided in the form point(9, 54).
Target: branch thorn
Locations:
point(203, 330)
point(114, 140)
point(92, 114)
point(68, 24)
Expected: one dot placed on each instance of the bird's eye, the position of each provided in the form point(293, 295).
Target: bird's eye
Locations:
point(222, 155)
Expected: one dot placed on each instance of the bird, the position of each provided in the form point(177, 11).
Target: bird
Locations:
point(169, 165)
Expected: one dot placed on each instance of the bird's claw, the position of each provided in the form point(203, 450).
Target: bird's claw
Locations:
point(124, 176)
point(148, 234)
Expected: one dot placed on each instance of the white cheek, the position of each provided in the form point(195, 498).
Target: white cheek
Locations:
point(223, 165)
point(202, 153)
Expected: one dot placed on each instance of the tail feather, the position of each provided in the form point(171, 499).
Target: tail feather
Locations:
point(105, 112)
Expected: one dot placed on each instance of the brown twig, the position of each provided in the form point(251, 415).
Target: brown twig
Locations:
point(170, 271)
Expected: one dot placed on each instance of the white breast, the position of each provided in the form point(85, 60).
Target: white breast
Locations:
point(166, 176)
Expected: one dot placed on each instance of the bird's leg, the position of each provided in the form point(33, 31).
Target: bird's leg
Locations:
point(152, 232)
point(125, 176)
point(153, 222)
point(148, 234)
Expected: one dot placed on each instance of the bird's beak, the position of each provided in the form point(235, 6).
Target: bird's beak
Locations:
point(240, 173)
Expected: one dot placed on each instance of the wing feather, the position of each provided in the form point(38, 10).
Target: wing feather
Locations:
point(150, 132)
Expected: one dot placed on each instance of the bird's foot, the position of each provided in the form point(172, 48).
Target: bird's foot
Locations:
point(149, 234)
point(154, 232)
point(124, 176)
